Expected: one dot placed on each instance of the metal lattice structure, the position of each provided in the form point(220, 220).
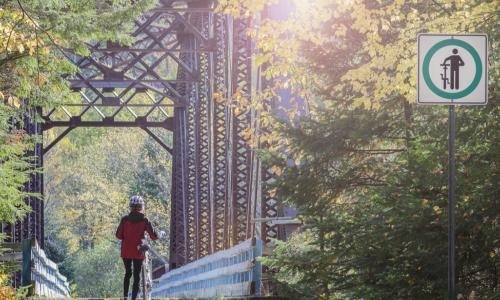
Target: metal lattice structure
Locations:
point(176, 79)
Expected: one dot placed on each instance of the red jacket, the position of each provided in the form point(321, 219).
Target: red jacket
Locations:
point(131, 232)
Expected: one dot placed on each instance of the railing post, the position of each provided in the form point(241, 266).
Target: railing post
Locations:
point(257, 269)
point(41, 274)
point(27, 266)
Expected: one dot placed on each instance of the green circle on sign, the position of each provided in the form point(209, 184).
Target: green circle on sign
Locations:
point(477, 76)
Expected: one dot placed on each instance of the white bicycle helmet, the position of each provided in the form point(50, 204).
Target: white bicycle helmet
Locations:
point(136, 202)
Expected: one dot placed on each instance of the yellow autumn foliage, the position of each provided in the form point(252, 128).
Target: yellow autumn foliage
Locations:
point(6, 291)
point(388, 32)
point(14, 40)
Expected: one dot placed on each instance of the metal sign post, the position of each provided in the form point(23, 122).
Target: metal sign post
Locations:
point(452, 291)
point(452, 70)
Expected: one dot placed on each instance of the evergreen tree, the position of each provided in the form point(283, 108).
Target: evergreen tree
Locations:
point(370, 172)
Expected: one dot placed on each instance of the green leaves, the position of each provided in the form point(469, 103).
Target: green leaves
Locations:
point(371, 182)
point(99, 271)
point(14, 169)
point(35, 39)
point(83, 208)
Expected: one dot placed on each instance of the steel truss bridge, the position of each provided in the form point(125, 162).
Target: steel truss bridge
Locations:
point(174, 82)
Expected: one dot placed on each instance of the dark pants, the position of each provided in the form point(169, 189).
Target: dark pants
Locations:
point(128, 273)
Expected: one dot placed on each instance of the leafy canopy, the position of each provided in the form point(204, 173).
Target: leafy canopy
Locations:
point(369, 171)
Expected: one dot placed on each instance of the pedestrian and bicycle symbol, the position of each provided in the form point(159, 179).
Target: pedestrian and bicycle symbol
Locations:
point(452, 69)
point(455, 62)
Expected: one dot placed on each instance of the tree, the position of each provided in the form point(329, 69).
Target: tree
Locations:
point(83, 208)
point(99, 271)
point(35, 39)
point(369, 178)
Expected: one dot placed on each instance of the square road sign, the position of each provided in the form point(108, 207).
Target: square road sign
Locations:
point(452, 69)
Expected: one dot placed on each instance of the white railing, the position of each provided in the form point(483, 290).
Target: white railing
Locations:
point(231, 272)
point(42, 274)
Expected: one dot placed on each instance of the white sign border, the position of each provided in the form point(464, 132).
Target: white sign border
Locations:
point(485, 70)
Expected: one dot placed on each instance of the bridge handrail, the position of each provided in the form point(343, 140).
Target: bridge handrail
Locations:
point(231, 272)
point(41, 273)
